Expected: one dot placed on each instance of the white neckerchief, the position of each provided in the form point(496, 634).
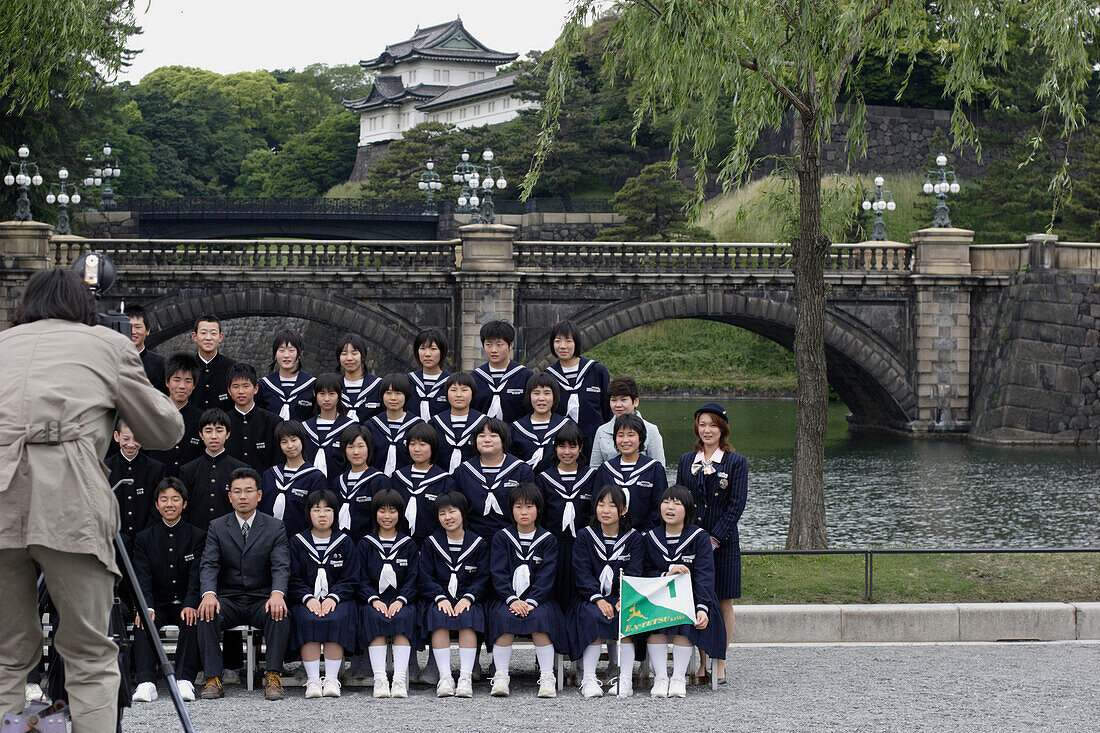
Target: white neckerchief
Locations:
point(571, 387)
point(491, 502)
point(360, 399)
point(568, 496)
point(521, 576)
point(331, 435)
point(541, 442)
point(411, 508)
point(457, 441)
point(424, 394)
point(393, 437)
point(495, 409)
point(708, 467)
point(283, 485)
point(607, 574)
point(349, 489)
point(321, 560)
point(627, 484)
point(455, 564)
point(673, 557)
point(287, 397)
point(387, 576)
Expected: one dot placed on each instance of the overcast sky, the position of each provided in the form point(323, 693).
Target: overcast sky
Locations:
point(244, 35)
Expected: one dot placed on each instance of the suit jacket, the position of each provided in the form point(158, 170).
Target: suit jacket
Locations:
point(246, 570)
point(166, 561)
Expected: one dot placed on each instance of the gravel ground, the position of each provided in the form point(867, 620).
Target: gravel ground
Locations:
point(865, 687)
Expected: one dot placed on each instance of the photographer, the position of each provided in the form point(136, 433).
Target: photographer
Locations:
point(64, 382)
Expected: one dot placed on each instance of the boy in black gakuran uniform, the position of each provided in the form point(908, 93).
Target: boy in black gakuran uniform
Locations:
point(134, 476)
point(207, 477)
point(251, 428)
point(211, 385)
point(181, 372)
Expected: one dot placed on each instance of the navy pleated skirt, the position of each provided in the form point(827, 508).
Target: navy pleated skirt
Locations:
point(432, 618)
point(341, 626)
point(711, 640)
point(373, 624)
point(546, 618)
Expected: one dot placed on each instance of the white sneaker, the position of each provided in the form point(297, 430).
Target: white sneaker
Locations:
point(33, 693)
point(445, 687)
point(330, 687)
point(399, 688)
point(381, 686)
point(677, 687)
point(465, 687)
point(231, 677)
point(145, 692)
point(590, 687)
point(548, 686)
point(313, 689)
point(660, 687)
point(500, 685)
point(186, 690)
point(622, 688)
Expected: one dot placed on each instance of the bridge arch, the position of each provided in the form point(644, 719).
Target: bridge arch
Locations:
point(865, 373)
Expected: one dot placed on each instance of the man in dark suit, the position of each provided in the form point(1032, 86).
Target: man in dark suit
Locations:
point(151, 360)
point(243, 579)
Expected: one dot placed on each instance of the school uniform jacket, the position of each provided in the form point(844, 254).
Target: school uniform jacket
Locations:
point(534, 446)
point(523, 575)
point(643, 486)
point(212, 387)
point(465, 574)
point(694, 551)
point(719, 489)
point(293, 403)
point(427, 401)
point(489, 499)
point(285, 498)
point(501, 396)
point(391, 447)
point(455, 443)
point(388, 576)
point(354, 515)
point(366, 403)
point(154, 369)
point(323, 450)
point(207, 481)
point(420, 495)
point(133, 483)
point(568, 503)
point(584, 395)
point(339, 562)
point(596, 570)
point(166, 561)
point(252, 437)
point(189, 446)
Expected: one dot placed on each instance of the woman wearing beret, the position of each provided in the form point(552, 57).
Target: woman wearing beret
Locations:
point(718, 479)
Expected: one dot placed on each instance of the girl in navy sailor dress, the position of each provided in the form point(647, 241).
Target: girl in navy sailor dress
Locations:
point(286, 487)
point(583, 382)
point(642, 478)
point(389, 428)
point(523, 564)
point(678, 546)
point(325, 428)
point(454, 582)
point(606, 549)
point(324, 575)
point(421, 483)
point(287, 390)
point(355, 486)
point(533, 435)
point(455, 426)
point(387, 593)
point(567, 487)
point(359, 394)
point(428, 394)
point(487, 480)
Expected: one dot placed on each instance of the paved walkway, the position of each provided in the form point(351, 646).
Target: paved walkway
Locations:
point(857, 687)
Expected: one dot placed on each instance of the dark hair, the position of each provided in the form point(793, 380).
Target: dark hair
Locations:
point(398, 383)
point(182, 361)
point(244, 472)
point(430, 336)
point(630, 421)
point(454, 499)
point(57, 294)
point(623, 387)
point(316, 496)
point(349, 436)
point(618, 497)
point(120, 424)
point(387, 498)
point(292, 338)
point(493, 425)
point(137, 311)
point(683, 495)
point(723, 432)
point(527, 491)
point(171, 482)
point(207, 318)
point(498, 330)
point(465, 379)
point(241, 370)
point(329, 382)
point(213, 416)
point(424, 433)
point(290, 429)
point(570, 434)
point(570, 330)
point(541, 379)
point(356, 342)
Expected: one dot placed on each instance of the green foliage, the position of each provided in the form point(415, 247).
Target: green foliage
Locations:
point(655, 207)
point(312, 162)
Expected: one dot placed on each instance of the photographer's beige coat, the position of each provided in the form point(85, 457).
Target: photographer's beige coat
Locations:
point(61, 386)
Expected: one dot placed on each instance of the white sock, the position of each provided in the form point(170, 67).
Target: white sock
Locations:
point(545, 657)
point(502, 657)
point(443, 660)
point(658, 660)
point(681, 658)
point(377, 660)
point(626, 659)
point(612, 650)
point(466, 659)
point(332, 667)
point(589, 659)
point(401, 662)
point(313, 669)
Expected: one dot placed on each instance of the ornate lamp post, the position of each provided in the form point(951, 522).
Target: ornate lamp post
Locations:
point(66, 193)
point(878, 200)
point(20, 175)
point(463, 173)
point(429, 181)
point(941, 182)
point(487, 214)
point(100, 174)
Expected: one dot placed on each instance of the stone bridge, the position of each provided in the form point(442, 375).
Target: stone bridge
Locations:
point(915, 332)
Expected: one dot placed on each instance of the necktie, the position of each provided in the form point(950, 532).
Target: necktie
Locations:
point(244, 531)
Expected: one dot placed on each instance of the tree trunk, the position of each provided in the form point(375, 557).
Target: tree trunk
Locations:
point(808, 253)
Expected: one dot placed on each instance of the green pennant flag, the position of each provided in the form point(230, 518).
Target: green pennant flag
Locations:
point(655, 603)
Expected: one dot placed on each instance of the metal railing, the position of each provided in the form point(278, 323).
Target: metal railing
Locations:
point(869, 556)
point(250, 206)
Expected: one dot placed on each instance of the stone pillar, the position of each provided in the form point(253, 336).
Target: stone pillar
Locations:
point(487, 282)
point(24, 248)
point(941, 317)
point(1041, 251)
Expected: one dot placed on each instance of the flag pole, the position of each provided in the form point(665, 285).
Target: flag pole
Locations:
point(619, 646)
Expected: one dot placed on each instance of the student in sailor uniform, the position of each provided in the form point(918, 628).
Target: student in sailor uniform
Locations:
point(287, 390)
point(718, 479)
point(567, 487)
point(251, 428)
point(606, 549)
point(487, 480)
point(355, 486)
point(428, 395)
point(523, 562)
point(389, 428)
point(533, 435)
point(285, 487)
point(454, 581)
point(421, 483)
point(583, 382)
point(456, 426)
point(500, 381)
point(387, 593)
point(641, 477)
point(324, 579)
point(678, 546)
point(181, 372)
point(134, 476)
point(211, 387)
point(207, 477)
point(326, 426)
point(360, 396)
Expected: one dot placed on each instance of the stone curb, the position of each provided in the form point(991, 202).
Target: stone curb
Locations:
point(943, 622)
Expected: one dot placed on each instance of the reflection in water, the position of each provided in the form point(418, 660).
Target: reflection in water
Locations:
point(884, 492)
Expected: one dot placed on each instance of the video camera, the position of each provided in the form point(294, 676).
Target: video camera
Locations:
point(99, 274)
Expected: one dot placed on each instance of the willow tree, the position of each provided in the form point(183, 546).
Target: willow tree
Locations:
point(755, 60)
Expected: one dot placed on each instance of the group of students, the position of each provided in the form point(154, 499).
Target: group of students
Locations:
point(492, 503)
